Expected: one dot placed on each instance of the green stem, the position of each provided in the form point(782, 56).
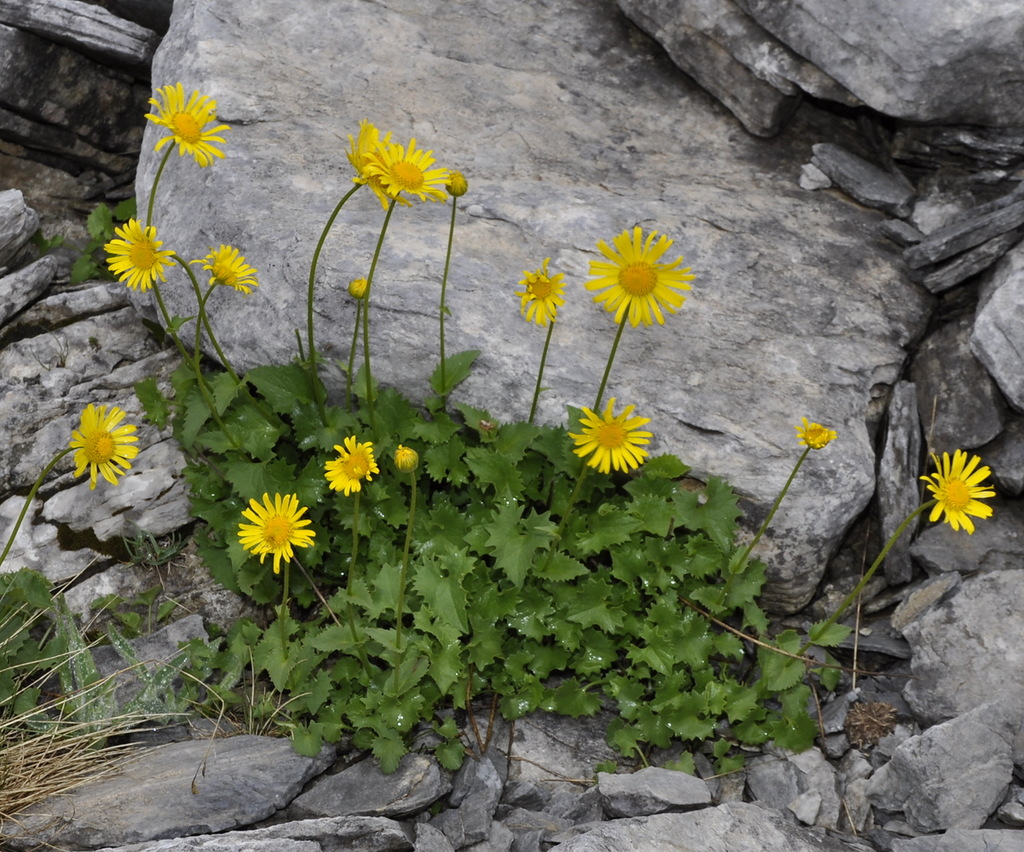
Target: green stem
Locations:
point(318, 391)
point(737, 567)
point(850, 598)
point(205, 318)
point(352, 356)
point(29, 499)
point(400, 605)
point(608, 366)
point(565, 515)
point(540, 372)
point(366, 319)
point(284, 606)
point(156, 181)
point(348, 587)
point(443, 310)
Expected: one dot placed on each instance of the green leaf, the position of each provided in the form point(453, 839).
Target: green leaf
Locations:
point(100, 223)
point(154, 403)
point(439, 581)
point(224, 390)
point(389, 750)
point(283, 386)
point(779, 671)
point(254, 479)
point(446, 462)
point(126, 209)
point(84, 269)
point(608, 525)
point(666, 466)
point(495, 469)
point(515, 541)
point(830, 636)
point(590, 604)
point(457, 368)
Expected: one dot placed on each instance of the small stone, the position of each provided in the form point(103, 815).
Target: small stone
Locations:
point(651, 791)
point(864, 181)
point(812, 178)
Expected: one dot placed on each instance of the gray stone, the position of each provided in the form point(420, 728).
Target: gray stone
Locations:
point(998, 336)
point(651, 791)
point(363, 789)
point(955, 774)
point(972, 228)
point(18, 222)
point(964, 840)
point(898, 485)
point(329, 834)
point(997, 545)
point(182, 789)
point(900, 232)
point(926, 594)
point(732, 827)
point(47, 84)
point(476, 791)
point(85, 27)
point(27, 284)
point(971, 415)
point(499, 839)
point(929, 61)
point(776, 328)
point(522, 821)
point(969, 649)
point(803, 783)
point(1005, 455)
point(430, 839)
point(969, 263)
point(864, 181)
point(957, 146)
point(812, 178)
point(550, 748)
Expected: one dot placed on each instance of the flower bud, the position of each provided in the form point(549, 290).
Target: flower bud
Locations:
point(457, 185)
point(357, 288)
point(406, 459)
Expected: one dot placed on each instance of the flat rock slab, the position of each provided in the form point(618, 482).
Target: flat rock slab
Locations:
point(651, 791)
point(732, 827)
point(181, 789)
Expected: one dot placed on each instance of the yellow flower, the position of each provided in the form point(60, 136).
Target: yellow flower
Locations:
point(633, 280)
point(814, 435)
point(102, 445)
point(407, 170)
point(542, 295)
point(226, 266)
point(406, 459)
point(457, 185)
point(135, 257)
point(276, 527)
point(612, 441)
point(357, 288)
point(354, 464)
point(364, 150)
point(187, 123)
point(958, 490)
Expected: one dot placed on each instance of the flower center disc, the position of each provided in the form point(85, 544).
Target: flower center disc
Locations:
point(638, 279)
point(142, 255)
point(540, 288)
point(957, 494)
point(611, 436)
point(277, 531)
point(99, 447)
point(186, 127)
point(407, 175)
point(356, 467)
point(223, 273)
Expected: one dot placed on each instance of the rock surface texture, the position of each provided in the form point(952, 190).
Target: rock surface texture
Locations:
point(867, 274)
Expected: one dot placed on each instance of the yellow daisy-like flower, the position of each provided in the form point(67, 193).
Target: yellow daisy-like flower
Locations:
point(406, 459)
point(276, 527)
point(365, 149)
point(814, 435)
point(187, 123)
point(226, 266)
point(633, 280)
point(357, 288)
point(958, 490)
point(407, 170)
point(612, 441)
point(542, 295)
point(103, 446)
point(355, 463)
point(135, 256)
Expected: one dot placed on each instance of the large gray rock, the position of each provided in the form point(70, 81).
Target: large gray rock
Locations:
point(732, 827)
point(964, 840)
point(796, 310)
point(54, 99)
point(969, 649)
point(948, 61)
point(954, 775)
point(85, 27)
point(651, 790)
point(18, 222)
point(998, 335)
point(181, 789)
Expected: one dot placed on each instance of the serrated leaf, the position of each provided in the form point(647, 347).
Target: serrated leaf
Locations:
point(457, 368)
point(100, 223)
point(253, 479)
point(282, 385)
point(154, 403)
point(446, 462)
point(515, 540)
point(608, 526)
point(224, 389)
point(389, 750)
point(665, 466)
point(439, 581)
point(495, 469)
point(828, 635)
